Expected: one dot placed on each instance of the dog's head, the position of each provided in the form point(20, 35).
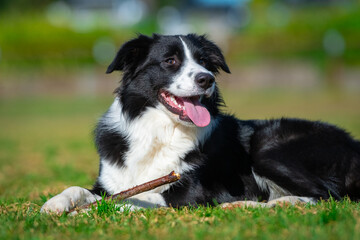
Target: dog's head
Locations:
point(173, 73)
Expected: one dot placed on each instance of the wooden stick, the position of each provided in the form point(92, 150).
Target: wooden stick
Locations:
point(172, 177)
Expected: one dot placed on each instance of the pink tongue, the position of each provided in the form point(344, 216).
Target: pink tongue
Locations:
point(197, 112)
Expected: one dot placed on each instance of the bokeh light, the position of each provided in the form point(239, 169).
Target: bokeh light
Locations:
point(334, 43)
point(104, 50)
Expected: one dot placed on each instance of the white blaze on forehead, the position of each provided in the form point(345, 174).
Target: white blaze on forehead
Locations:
point(190, 64)
point(184, 82)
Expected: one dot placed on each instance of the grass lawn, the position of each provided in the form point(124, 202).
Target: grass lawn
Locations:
point(46, 145)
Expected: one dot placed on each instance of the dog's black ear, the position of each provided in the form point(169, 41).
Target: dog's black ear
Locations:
point(131, 53)
point(213, 52)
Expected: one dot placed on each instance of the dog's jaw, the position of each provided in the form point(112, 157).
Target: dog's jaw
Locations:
point(186, 109)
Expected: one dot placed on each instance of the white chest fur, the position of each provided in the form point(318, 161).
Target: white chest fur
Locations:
point(156, 146)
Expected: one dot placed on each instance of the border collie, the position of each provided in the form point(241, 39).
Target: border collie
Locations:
point(166, 116)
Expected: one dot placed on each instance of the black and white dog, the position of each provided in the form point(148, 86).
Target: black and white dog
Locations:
point(166, 117)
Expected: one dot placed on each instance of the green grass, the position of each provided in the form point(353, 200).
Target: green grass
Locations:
point(46, 145)
point(326, 220)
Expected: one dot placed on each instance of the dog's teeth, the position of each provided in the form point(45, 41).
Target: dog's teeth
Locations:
point(173, 100)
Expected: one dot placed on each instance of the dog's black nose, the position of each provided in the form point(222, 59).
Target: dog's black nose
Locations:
point(204, 80)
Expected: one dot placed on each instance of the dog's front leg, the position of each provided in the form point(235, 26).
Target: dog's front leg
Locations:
point(70, 198)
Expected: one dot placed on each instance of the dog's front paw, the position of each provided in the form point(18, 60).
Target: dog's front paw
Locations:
point(57, 204)
point(69, 199)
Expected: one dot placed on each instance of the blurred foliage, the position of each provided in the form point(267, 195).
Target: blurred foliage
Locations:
point(28, 39)
point(24, 4)
point(302, 37)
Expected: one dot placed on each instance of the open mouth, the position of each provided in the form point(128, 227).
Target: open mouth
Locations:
point(189, 109)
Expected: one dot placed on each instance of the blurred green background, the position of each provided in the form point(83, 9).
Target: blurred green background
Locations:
point(294, 58)
point(293, 43)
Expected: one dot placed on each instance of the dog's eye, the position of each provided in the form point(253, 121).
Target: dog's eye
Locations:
point(202, 62)
point(170, 61)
